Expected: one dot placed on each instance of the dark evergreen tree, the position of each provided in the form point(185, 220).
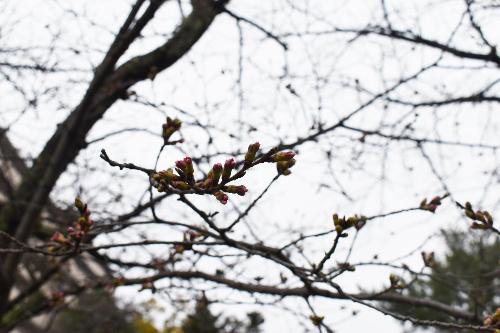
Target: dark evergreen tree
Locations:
point(202, 320)
point(467, 277)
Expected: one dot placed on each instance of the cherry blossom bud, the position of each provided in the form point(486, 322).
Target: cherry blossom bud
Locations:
point(428, 258)
point(213, 176)
point(181, 185)
point(284, 166)
point(79, 205)
point(470, 214)
point(181, 164)
point(221, 196)
point(169, 128)
point(216, 173)
point(251, 152)
point(396, 282)
point(169, 175)
point(238, 189)
point(283, 156)
point(186, 165)
point(60, 238)
point(228, 168)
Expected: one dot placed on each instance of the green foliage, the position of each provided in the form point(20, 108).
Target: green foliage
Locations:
point(466, 278)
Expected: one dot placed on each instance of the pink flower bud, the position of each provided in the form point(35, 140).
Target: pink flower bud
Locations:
point(216, 172)
point(251, 152)
point(237, 189)
point(217, 167)
point(283, 156)
point(59, 238)
point(181, 164)
point(221, 196)
point(228, 168)
point(188, 169)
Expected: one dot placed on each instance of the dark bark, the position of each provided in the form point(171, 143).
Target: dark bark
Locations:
point(107, 86)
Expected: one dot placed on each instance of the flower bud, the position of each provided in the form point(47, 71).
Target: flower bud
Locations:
point(394, 279)
point(213, 176)
point(283, 156)
point(251, 152)
point(396, 282)
point(187, 167)
point(284, 166)
point(228, 168)
point(336, 220)
point(238, 189)
point(79, 204)
point(181, 164)
point(221, 196)
point(169, 175)
point(60, 238)
point(169, 128)
point(181, 185)
point(470, 214)
point(156, 177)
point(428, 258)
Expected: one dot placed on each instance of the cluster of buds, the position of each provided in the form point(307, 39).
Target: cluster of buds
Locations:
point(169, 128)
point(316, 320)
point(428, 258)
point(216, 182)
point(396, 282)
point(432, 205)
point(184, 180)
point(284, 161)
point(344, 223)
point(493, 319)
point(76, 232)
point(483, 218)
